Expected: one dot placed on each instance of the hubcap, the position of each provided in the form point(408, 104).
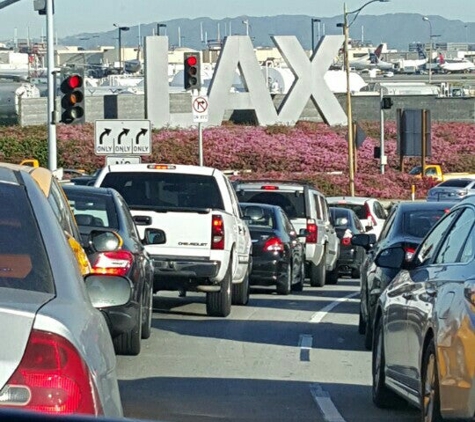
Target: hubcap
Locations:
point(429, 390)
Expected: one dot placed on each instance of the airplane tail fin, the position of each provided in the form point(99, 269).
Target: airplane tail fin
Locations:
point(421, 53)
point(378, 51)
point(441, 58)
point(373, 59)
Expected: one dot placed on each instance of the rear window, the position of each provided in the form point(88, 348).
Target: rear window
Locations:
point(257, 216)
point(166, 190)
point(93, 210)
point(341, 217)
point(24, 263)
point(418, 223)
point(293, 203)
point(358, 209)
point(456, 183)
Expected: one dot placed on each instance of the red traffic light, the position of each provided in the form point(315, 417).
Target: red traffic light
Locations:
point(192, 61)
point(74, 81)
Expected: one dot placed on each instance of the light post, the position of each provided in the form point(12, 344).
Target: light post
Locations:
point(120, 29)
point(346, 30)
point(160, 25)
point(315, 20)
point(426, 19)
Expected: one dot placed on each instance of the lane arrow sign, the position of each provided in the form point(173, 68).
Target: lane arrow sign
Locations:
point(143, 132)
point(106, 132)
point(121, 134)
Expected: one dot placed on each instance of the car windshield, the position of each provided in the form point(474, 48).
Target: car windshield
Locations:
point(168, 190)
point(24, 263)
point(418, 223)
point(292, 202)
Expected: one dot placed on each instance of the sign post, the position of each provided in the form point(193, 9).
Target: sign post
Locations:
point(199, 104)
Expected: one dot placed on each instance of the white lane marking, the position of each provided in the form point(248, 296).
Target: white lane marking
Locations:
point(324, 402)
point(305, 341)
point(318, 316)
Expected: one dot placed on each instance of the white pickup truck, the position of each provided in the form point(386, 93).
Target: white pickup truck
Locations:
point(190, 219)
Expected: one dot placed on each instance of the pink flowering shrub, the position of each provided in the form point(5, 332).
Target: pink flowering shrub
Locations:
point(309, 151)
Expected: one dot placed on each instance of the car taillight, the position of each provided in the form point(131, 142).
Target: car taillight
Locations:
point(346, 239)
point(115, 263)
point(369, 216)
point(274, 244)
point(409, 252)
point(52, 378)
point(269, 187)
point(469, 291)
point(217, 232)
point(312, 231)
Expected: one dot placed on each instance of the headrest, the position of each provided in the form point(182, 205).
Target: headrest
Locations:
point(84, 219)
point(254, 212)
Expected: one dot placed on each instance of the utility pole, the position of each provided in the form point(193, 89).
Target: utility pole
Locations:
point(52, 145)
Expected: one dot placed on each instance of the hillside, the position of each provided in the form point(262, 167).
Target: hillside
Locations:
point(309, 151)
point(397, 30)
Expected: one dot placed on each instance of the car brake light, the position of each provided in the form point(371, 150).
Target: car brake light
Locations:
point(161, 167)
point(269, 187)
point(274, 244)
point(409, 252)
point(115, 263)
point(312, 231)
point(369, 216)
point(217, 232)
point(52, 378)
point(469, 291)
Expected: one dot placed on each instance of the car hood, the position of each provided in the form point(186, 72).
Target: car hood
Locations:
point(18, 309)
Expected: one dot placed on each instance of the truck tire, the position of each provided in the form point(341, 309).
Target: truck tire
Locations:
point(332, 276)
point(240, 293)
point(318, 272)
point(218, 304)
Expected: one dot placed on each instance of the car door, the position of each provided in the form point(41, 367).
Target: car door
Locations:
point(332, 238)
point(445, 267)
point(406, 287)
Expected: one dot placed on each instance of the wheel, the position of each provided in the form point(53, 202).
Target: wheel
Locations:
point(361, 324)
point(332, 276)
point(318, 272)
point(218, 304)
point(430, 400)
point(382, 396)
point(284, 288)
point(298, 287)
point(368, 335)
point(148, 314)
point(129, 343)
point(240, 292)
point(355, 273)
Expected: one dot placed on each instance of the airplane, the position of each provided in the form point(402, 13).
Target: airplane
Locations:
point(455, 65)
point(371, 61)
point(413, 65)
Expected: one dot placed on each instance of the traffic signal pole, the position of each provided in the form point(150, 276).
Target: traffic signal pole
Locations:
point(50, 65)
point(382, 157)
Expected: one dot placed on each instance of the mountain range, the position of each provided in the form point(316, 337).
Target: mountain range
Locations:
point(398, 30)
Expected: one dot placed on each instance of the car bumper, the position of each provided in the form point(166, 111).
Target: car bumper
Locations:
point(267, 272)
point(122, 319)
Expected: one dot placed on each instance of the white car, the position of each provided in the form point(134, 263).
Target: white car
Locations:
point(369, 210)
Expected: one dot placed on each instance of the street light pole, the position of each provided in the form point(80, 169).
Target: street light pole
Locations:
point(314, 20)
point(52, 143)
point(425, 18)
point(120, 29)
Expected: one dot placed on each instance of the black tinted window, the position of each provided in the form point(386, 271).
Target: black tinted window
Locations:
point(456, 183)
point(293, 203)
point(23, 261)
point(168, 190)
point(359, 210)
point(418, 223)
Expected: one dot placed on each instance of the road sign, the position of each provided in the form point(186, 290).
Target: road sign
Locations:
point(112, 160)
point(199, 104)
point(123, 137)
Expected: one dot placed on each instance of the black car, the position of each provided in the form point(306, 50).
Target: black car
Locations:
point(406, 226)
point(277, 254)
point(347, 224)
point(96, 208)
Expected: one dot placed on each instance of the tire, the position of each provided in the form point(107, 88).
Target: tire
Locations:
point(218, 304)
point(240, 292)
point(361, 324)
point(368, 335)
point(383, 397)
point(430, 400)
point(298, 287)
point(284, 288)
point(129, 344)
point(147, 323)
point(318, 272)
point(332, 276)
point(355, 273)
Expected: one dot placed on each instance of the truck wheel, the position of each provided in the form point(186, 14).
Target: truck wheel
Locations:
point(129, 343)
point(332, 276)
point(218, 304)
point(240, 293)
point(318, 272)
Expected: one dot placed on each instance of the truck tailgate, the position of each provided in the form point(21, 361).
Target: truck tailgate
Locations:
point(187, 233)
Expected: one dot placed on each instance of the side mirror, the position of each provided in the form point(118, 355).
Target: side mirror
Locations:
point(154, 237)
point(392, 258)
point(104, 241)
point(364, 240)
point(106, 291)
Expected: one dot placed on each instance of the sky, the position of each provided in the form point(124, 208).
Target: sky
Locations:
point(82, 16)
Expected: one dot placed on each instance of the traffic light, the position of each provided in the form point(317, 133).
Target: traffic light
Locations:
point(386, 103)
point(72, 100)
point(192, 71)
